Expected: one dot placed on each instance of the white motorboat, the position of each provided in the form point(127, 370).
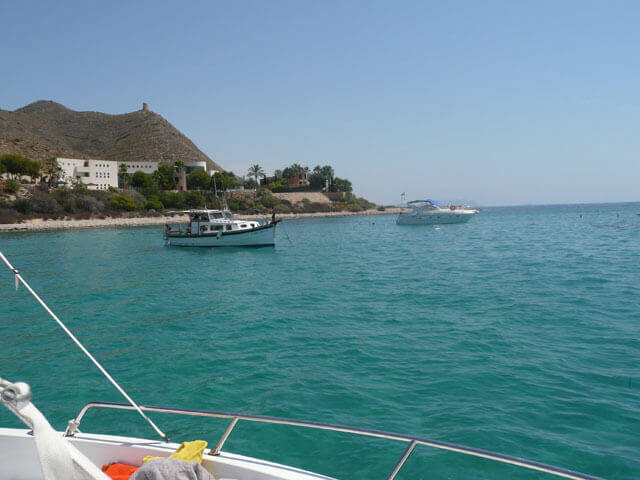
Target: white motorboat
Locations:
point(429, 212)
point(218, 228)
point(41, 452)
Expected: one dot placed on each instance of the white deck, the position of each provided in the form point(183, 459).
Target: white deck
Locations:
point(19, 458)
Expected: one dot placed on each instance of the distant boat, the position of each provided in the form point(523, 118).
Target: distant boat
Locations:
point(217, 228)
point(429, 212)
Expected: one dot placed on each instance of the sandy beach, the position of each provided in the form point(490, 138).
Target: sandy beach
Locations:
point(38, 224)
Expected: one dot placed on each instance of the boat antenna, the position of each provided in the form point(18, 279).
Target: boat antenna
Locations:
point(18, 280)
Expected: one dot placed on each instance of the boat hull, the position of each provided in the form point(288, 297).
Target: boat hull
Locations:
point(436, 218)
point(19, 457)
point(262, 236)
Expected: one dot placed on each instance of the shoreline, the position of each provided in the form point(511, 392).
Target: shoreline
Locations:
point(41, 225)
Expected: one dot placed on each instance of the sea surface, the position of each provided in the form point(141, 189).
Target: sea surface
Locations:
point(518, 332)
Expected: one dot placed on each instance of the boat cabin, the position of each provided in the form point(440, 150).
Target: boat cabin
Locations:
point(208, 215)
point(424, 205)
point(211, 222)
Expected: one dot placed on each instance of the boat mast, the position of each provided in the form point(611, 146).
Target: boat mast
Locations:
point(215, 187)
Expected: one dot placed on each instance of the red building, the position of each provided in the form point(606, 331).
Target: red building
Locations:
point(300, 179)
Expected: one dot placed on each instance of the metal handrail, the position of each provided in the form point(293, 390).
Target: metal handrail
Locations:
point(412, 440)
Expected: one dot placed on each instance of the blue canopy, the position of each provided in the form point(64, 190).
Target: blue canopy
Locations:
point(433, 202)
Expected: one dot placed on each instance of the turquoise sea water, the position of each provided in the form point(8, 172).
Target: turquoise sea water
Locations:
point(517, 332)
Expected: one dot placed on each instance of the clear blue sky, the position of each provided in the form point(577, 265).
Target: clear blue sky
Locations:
point(498, 102)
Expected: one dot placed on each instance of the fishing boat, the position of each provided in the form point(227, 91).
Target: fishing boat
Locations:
point(41, 452)
point(218, 228)
point(429, 212)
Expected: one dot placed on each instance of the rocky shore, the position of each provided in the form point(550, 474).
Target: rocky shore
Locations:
point(43, 225)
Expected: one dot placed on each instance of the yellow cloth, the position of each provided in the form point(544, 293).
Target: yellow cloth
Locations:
point(188, 451)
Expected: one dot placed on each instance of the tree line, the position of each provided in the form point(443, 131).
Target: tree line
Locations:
point(164, 178)
point(17, 166)
point(320, 178)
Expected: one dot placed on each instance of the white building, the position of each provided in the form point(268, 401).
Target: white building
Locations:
point(197, 165)
point(103, 174)
point(145, 167)
point(95, 174)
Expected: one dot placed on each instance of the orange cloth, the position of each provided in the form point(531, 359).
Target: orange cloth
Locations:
point(119, 471)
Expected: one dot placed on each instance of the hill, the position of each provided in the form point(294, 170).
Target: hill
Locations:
point(47, 128)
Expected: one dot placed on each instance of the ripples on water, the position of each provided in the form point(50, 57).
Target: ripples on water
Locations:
point(517, 332)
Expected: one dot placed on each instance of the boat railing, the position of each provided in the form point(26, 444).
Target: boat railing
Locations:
point(411, 440)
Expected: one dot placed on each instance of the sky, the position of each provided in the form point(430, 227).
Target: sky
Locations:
point(499, 103)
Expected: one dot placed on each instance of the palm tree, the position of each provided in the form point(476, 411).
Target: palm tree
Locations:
point(52, 171)
point(256, 171)
point(180, 165)
point(76, 183)
point(122, 171)
point(180, 168)
point(157, 177)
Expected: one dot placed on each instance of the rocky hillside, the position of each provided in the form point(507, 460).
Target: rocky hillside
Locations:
point(46, 128)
